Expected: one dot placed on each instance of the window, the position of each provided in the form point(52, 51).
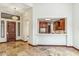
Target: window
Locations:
point(18, 28)
point(2, 29)
point(10, 16)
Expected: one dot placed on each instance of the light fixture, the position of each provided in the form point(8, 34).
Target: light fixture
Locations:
point(14, 17)
point(47, 19)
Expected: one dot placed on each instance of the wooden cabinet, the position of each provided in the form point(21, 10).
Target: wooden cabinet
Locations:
point(59, 24)
point(62, 24)
point(43, 26)
point(50, 26)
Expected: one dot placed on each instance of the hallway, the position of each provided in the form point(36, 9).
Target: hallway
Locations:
point(21, 48)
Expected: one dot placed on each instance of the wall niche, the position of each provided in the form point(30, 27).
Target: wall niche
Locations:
point(54, 25)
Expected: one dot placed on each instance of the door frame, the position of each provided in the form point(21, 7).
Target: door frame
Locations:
point(17, 37)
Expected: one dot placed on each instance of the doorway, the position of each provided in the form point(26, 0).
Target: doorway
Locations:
point(11, 31)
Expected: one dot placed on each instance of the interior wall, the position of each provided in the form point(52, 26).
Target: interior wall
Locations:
point(54, 10)
point(76, 25)
point(27, 25)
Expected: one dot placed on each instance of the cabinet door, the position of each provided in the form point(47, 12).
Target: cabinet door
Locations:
point(56, 25)
point(62, 24)
point(59, 25)
point(43, 27)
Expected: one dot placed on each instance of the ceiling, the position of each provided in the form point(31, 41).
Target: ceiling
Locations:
point(14, 8)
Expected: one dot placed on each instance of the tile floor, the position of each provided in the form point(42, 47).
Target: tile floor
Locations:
point(20, 48)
